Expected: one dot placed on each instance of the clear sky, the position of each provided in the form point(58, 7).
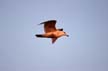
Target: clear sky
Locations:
point(86, 21)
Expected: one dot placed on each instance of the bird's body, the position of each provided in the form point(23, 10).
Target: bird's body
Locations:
point(51, 31)
point(54, 34)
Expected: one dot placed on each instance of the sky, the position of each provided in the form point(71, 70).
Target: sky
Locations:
point(86, 22)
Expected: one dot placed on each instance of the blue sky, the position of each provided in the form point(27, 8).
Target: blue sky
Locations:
point(86, 21)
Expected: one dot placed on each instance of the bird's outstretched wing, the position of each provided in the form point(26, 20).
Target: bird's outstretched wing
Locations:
point(53, 40)
point(49, 26)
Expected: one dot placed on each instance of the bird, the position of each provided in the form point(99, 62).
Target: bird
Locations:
point(51, 31)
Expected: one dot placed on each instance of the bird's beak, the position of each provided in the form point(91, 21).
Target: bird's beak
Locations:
point(67, 35)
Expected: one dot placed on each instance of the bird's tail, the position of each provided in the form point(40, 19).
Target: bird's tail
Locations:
point(39, 35)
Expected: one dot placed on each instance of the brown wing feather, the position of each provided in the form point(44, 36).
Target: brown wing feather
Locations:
point(49, 26)
point(54, 39)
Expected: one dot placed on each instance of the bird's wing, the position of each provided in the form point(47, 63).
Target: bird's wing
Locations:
point(49, 26)
point(60, 29)
point(54, 39)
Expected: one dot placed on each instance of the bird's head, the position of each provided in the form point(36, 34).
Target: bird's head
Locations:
point(65, 34)
point(62, 33)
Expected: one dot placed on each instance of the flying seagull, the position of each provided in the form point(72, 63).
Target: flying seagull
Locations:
point(51, 31)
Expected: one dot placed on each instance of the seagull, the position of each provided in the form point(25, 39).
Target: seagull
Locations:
point(51, 31)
